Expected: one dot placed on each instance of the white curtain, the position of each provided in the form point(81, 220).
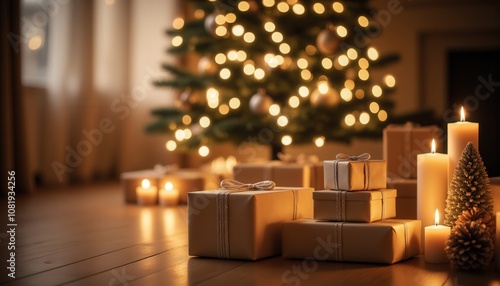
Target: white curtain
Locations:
point(92, 126)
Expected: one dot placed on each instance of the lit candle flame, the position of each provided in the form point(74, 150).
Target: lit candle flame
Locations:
point(462, 114)
point(433, 146)
point(436, 217)
point(169, 187)
point(145, 184)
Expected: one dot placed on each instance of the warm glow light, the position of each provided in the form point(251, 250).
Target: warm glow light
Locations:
point(220, 19)
point(311, 50)
point(203, 151)
point(319, 8)
point(176, 41)
point(436, 217)
point(221, 31)
point(327, 63)
point(230, 18)
point(346, 94)
point(225, 73)
point(179, 135)
point(224, 109)
point(360, 94)
point(178, 23)
point(169, 187)
point(199, 13)
point(268, 3)
point(323, 87)
point(338, 7)
point(363, 21)
point(306, 75)
point(341, 31)
point(145, 184)
point(352, 54)
point(372, 54)
point(171, 145)
point(249, 68)
point(186, 119)
point(283, 7)
point(343, 60)
point(364, 118)
point(187, 133)
point(269, 26)
point(390, 81)
point(349, 84)
point(363, 63)
point(282, 121)
point(259, 74)
point(303, 91)
point(234, 103)
point(433, 146)
point(382, 115)
point(274, 109)
point(349, 120)
point(374, 107)
point(462, 114)
point(302, 63)
point(363, 74)
point(319, 141)
point(286, 140)
point(243, 6)
point(220, 58)
point(232, 55)
point(204, 122)
point(298, 9)
point(241, 55)
point(249, 37)
point(277, 37)
point(377, 91)
point(238, 30)
point(294, 101)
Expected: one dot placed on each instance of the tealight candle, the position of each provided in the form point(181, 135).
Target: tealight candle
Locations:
point(435, 240)
point(146, 194)
point(169, 196)
point(459, 134)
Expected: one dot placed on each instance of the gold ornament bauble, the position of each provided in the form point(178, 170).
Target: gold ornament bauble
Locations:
point(187, 99)
point(210, 24)
point(207, 66)
point(260, 102)
point(327, 41)
point(331, 98)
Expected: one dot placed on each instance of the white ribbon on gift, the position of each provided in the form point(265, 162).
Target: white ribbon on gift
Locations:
point(232, 186)
point(340, 200)
point(341, 157)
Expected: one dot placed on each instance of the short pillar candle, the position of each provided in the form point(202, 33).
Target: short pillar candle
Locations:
point(435, 239)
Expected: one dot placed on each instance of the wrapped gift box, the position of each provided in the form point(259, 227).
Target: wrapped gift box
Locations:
point(243, 225)
point(283, 174)
point(406, 201)
point(362, 206)
point(495, 190)
point(186, 180)
point(386, 241)
point(355, 175)
point(402, 144)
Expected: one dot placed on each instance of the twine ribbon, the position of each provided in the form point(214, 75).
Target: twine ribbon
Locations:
point(229, 184)
point(341, 157)
point(362, 157)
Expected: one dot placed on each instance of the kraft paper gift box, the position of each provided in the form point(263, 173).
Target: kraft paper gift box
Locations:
point(402, 144)
point(385, 241)
point(243, 225)
point(361, 206)
point(406, 201)
point(355, 175)
point(495, 191)
point(283, 174)
point(129, 181)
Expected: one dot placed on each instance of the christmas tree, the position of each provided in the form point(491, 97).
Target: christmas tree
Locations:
point(276, 72)
point(469, 188)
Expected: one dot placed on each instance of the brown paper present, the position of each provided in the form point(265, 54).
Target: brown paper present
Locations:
point(362, 206)
point(243, 225)
point(355, 173)
point(283, 174)
point(495, 191)
point(385, 241)
point(402, 144)
point(406, 201)
point(129, 181)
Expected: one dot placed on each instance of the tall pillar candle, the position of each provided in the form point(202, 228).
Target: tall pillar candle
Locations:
point(432, 185)
point(497, 243)
point(459, 134)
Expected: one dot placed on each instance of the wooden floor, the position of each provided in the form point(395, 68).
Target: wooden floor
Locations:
point(87, 235)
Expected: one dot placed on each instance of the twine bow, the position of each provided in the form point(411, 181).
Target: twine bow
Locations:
point(362, 157)
point(229, 184)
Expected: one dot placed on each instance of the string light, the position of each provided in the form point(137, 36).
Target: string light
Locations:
point(319, 141)
point(352, 54)
point(224, 109)
point(186, 119)
point(326, 63)
point(284, 48)
point(382, 115)
point(349, 84)
point(349, 120)
point(187, 133)
point(204, 121)
point(294, 101)
point(341, 31)
point(363, 63)
point(363, 74)
point(346, 94)
point(286, 140)
point(230, 18)
point(220, 19)
point(249, 37)
point(374, 107)
point(171, 145)
point(232, 55)
point(259, 74)
point(243, 6)
point(302, 63)
point(176, 41)
point(269, 26)
point(277, 37)
point(360, 94)
point(282, 121)
point(364, 118)
point(303, 91)
point(319, 8)
point(306, 75)
point(220, 58)
point(178, 23)
point(203, 151)
point(241, 55)
point(234, 103)
point(274, 109)
point(363, 21)
point(249, 68)
point(225, 73)
point(238, 30)
point(372, 54)
point(338, 7)
point(298, 9)
point(343, 60)
point(268, 3)
point(283, 7)
point(179, 134)
point(389, 80)
point(221, 31)
point(377, 91)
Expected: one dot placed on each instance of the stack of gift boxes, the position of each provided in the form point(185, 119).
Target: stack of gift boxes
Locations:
point(350, 221)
